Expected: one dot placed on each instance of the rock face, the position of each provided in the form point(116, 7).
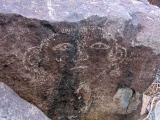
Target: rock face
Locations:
point(78, 70)
point(12, 107)
point(61, 10)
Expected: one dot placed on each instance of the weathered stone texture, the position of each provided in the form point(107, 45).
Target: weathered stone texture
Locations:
point(12, 107)
point(73, 70)
point(73, 10)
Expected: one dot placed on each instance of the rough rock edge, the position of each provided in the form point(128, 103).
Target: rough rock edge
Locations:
point(13, 107)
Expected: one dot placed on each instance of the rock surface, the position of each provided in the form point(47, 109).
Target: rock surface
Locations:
point(155, 2)
point(151, 99)
point(2, 118)
point(72, 70)
point(12, 107)
point(157, 111)
point(73, 10)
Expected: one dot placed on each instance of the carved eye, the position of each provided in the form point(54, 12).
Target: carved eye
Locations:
point(63, 47)
point(100, 45)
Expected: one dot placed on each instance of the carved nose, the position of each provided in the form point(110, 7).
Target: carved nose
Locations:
point(82, 56)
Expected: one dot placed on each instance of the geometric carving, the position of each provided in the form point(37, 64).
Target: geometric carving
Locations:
point(100, 45)
point(63, 47)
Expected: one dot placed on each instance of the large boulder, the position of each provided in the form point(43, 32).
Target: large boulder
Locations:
point(12, 107)
point(74, 69)
point(61, 10)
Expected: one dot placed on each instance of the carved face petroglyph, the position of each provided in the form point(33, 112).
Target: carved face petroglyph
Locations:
point(95, 59)
point(85, 69)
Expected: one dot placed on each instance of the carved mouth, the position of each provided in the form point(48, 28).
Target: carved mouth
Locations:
point(79, 67)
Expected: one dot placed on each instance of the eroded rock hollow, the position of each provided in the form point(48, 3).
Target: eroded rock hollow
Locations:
point(93, 69)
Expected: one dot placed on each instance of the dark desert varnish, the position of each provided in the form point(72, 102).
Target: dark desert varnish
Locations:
point(155, 2)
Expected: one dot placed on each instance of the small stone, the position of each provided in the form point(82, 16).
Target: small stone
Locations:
point(123, 97)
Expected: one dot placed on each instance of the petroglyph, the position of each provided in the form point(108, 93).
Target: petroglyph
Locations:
point(63, 46)
point(100, 45)
point(68, 30)
point(117, 53)
point(83, 29)
point(96, 61)
point(115, 70)
point(29, 59)
point(79, 67)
